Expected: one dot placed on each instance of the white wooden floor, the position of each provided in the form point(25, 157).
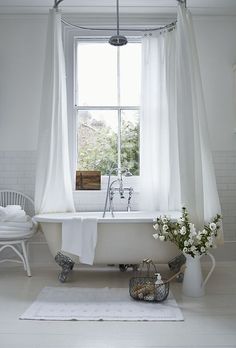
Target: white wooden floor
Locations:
point(209, 321)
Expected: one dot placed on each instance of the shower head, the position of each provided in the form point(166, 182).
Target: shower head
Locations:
point(118, 40)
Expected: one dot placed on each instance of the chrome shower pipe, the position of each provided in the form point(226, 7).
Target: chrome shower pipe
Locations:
point(117, 18)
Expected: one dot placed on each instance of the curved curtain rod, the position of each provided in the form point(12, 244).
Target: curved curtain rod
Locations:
point(57, 2)
point(169, 26)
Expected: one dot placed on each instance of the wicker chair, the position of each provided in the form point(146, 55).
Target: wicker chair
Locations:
point(15, 241)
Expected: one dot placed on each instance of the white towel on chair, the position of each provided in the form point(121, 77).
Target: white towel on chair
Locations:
point(79, 237)
point(12, 213)
point(17, 225)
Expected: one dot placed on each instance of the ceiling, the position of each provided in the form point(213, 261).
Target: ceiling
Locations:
point(201, 7)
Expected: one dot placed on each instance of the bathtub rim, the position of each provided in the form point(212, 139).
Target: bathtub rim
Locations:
point(119, 216)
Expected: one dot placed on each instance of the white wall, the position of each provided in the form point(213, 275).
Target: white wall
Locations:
point(22, 44)
point(217, 53)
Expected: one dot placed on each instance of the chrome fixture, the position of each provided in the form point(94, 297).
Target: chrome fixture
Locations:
point(111, 190)
point(184, 2)
point(56, 4)
point(118, 40)
point(129, 199)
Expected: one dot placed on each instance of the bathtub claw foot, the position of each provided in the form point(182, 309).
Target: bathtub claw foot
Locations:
point(175, 265)
point(63, 275)
point(124, 267)
point(66, 264)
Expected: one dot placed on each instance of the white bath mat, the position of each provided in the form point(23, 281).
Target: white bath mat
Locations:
point(56, 303)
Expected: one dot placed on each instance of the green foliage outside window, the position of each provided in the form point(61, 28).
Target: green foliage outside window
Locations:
point(97, 145)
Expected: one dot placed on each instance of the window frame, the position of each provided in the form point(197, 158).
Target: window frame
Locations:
point(70, 38)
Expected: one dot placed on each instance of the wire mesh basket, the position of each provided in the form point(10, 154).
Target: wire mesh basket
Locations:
point(144, 287)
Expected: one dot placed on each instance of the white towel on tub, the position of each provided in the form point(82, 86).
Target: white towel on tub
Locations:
point(79, 237)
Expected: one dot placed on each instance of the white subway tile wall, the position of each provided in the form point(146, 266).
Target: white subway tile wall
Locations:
point(225, 169)
point(17, 172)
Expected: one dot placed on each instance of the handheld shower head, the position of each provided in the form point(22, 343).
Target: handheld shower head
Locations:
point(127, 173)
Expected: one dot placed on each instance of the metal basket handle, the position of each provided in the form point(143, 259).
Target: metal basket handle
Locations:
point(148, 263)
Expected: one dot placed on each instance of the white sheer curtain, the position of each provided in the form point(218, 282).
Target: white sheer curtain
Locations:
point(53, 190)
point(157, 123)
point(176, 161)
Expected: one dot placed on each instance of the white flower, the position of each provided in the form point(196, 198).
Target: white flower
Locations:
point(155, 235)
point(203, 249)
point(162, 238)
point(186, 243)
point(164, 220)
point(183, 230)
point(156, 227)
point(175, 232)
point(199, 237)
point(212, 226)
point(165, 227)
point(204, 231)
point(182, 219)
point(193, 248)
point(207, 244)
point(190, 241)
point(185, 250)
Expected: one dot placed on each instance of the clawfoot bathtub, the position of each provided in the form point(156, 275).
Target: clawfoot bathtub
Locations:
point(126, 238)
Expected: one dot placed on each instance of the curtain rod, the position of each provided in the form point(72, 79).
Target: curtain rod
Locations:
point(57, 2)
point(168, 26)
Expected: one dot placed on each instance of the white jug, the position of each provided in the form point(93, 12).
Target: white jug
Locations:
point(193, 284)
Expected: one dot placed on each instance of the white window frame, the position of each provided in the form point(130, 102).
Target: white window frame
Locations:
point(70, 37)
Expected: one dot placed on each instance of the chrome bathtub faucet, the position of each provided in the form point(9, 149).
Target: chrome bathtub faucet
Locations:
point(120, 189)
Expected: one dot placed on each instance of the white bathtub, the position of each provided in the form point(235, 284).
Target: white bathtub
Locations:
point(125, 239)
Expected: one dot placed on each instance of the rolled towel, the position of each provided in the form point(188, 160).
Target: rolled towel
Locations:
point(13, 213)
point(15, 210)
point(13, 207)
point(16, 218)
point(19, 225)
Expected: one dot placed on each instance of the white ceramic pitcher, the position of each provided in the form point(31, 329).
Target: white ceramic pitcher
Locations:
point(193, 284)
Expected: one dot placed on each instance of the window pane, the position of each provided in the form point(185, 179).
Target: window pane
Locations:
point(130, 140)
point(96, 80)
point(97, 139)
point(130, 74)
